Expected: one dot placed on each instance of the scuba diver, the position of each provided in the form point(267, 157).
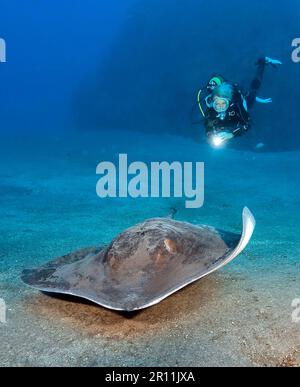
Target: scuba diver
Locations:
point(227, 106)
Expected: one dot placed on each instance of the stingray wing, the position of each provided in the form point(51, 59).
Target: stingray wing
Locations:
point(248, 229)
point(44, 277)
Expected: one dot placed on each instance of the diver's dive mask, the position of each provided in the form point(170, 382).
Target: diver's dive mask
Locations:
point(220, 104)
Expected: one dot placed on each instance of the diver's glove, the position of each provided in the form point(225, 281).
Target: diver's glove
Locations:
point(273, 62)
point(225, 136)
point(217, 139)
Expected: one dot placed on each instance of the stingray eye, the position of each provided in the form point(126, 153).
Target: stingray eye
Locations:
point(170, 246)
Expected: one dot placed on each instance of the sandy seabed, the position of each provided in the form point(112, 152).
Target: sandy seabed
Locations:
point(239, 316)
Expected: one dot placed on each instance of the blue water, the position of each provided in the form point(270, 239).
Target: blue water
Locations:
point(139, 64)
point(86, 81)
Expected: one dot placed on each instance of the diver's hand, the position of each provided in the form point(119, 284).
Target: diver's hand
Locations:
point(217, 139)
point(225, 136)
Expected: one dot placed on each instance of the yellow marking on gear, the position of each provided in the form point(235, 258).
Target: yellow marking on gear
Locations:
point(199, 103)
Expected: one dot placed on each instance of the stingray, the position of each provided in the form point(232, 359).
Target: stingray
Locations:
point(143, 265)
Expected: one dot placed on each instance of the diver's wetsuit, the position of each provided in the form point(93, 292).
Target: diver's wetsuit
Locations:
point(237, 120)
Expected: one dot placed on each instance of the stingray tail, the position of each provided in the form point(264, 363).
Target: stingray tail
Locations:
point(172, 213)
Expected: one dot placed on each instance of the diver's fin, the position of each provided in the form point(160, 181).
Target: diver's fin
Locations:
point(273, 62)
point(264, 100)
